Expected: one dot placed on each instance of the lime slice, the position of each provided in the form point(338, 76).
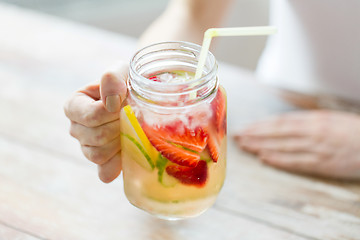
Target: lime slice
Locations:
point(168, 181)
point(204, 155)
point(132, 131)
point(163, 177)
point(137, 152)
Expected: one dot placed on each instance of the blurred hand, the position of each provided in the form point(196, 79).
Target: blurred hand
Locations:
point(324, 143)
point(94, 115)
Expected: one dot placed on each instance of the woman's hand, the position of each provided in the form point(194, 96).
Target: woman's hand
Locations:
point(324, 143)
point(94, 115)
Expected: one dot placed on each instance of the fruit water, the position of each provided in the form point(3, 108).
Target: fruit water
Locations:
point(173, 140)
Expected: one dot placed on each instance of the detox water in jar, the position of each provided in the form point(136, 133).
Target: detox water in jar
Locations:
point(173, 132)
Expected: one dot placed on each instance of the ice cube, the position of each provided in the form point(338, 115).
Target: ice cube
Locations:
point(173, 77)
point(166, 77)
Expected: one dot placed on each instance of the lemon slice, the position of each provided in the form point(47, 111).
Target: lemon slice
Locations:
point(136, 125)
point(132, 131)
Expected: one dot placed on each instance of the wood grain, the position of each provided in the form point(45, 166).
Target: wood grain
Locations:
point(39, 74)
point(311, 207)
point(49, 190)
point(49, 196)
point(9, 233)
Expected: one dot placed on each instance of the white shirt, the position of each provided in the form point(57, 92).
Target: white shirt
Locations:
point(316, 49)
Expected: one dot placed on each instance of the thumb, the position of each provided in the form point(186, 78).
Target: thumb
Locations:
point(113, 87)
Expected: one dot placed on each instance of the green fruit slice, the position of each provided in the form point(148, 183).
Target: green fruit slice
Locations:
point(204, 155)
point(132, 143)
point(137, 151)
point(168, 181)
point(163, 177)
point(130, 115)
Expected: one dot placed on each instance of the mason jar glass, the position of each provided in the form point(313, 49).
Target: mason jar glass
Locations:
point(173, 132)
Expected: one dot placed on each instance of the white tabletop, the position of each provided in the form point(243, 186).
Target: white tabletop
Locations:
point(48, 190)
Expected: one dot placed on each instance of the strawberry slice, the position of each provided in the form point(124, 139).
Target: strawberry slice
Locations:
point(214, 148)
point(218, 106)
point(174, 154)
point(194, 139)
point(154, 78)
point(190, 175)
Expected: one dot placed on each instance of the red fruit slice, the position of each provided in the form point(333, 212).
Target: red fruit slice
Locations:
point(154, 78)
point(214, 148)
point(174, 154)
point(218, 106)
point(194, 139)
point(190, 175)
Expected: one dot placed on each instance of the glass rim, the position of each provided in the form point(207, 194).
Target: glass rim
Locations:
point(194, 46)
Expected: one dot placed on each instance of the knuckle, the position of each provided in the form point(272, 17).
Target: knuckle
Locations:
point(108, 75)
point(67, 106)
point(97, 157)
point(101, 137)
point(94, 154)
point(321, 133)
point(89, 119)
point(92, 118)
point(72, 134)
point(323, 156)
point(320, 158)
point(72, 130)
point(108, 78)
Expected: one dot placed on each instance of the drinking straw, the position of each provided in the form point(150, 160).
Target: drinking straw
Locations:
point(220, 32)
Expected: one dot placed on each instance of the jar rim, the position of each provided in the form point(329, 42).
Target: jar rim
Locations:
point(194, 46)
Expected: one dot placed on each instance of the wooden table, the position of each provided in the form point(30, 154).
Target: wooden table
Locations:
point(48, 190)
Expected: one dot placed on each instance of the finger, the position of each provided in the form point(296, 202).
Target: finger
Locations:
point(97, 136)
point(101, 155)
point(291, 124)
point(83, 109)
point(302, 162)
point(113, 87)
point(283, 144)
point(92, 90)
point(111, 169)
point(277, 128)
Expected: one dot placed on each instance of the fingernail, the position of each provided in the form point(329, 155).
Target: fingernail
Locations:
point(113, 103)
